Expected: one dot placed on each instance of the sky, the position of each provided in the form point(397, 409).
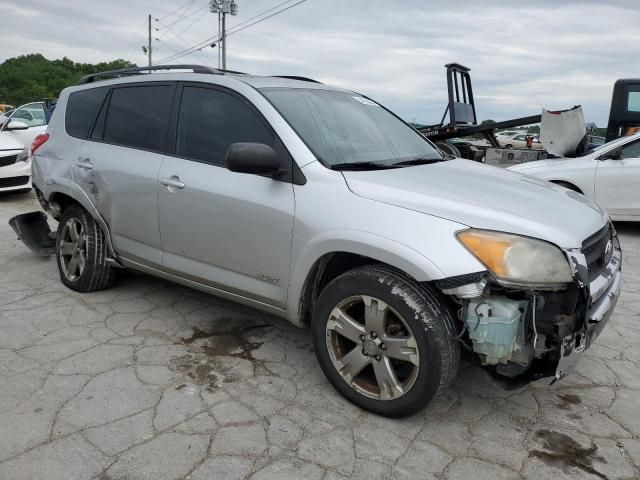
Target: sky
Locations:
point(524, 56)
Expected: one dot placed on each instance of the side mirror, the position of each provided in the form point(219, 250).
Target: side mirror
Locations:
point(255, 158)
point(16, 125)
point(612, 155)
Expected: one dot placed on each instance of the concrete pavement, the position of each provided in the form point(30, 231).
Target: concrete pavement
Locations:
point(151, 380)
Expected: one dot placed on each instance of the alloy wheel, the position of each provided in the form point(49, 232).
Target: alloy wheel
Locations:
point(73, 249)
point(372, 348)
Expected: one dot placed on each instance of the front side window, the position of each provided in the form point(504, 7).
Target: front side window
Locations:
point(210, 121)
point(32, 115)
point(82, 108)
point(138, 116)
point(345, 128)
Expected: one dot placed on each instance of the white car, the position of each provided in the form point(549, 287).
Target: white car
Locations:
point(608, 175)
point(15, 165)
point(25, 123)
point(519, 141)
point(507, 134)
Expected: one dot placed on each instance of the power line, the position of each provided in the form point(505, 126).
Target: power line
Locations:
point(204, 43)
point(178, 38)
point(265, 18)
point(133, 45)
point(182, 15)
point(260, 14)
point(194, 21)
point(176, 10)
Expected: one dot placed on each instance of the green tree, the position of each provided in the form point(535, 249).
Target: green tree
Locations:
point(32, 77)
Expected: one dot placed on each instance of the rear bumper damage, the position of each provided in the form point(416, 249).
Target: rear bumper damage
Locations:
point(33, 229)
point(524, 334)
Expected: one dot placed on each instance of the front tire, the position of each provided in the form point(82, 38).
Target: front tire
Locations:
point(384, 341)
point(81, 252)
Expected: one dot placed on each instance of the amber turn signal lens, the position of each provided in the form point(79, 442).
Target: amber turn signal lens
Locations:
point(490, 250)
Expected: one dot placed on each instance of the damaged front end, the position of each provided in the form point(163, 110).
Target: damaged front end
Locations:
point(523, 333)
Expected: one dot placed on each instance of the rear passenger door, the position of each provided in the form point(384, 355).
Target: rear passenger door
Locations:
point(228, 230)
point(118, 165)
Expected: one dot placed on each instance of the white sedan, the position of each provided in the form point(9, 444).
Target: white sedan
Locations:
point(608, 175)
point(520, 141)
point(25, 123)
point(15, 165)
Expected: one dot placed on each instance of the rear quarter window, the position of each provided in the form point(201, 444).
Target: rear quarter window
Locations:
point(82, 108)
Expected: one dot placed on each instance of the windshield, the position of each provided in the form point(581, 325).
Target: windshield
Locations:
point(344, 128)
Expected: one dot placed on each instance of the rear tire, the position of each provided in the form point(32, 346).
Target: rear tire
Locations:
point(81, 252)
point(394, 370)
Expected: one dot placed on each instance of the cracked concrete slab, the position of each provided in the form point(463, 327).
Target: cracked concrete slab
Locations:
point(154, 380)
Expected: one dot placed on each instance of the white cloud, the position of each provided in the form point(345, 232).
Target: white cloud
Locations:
point(523, 56)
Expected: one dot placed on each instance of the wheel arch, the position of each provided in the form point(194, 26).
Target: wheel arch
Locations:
point(328, 260)
point(65, 194)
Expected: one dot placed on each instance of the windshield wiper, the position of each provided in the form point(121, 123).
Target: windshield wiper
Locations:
point(418, 161)
point(361, 166)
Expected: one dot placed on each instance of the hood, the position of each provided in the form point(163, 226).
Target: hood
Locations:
point(483, 196)
point(554, 162)
point(7, 142)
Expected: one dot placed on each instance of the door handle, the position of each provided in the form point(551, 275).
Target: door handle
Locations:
point(84, 163)
point(173, 182)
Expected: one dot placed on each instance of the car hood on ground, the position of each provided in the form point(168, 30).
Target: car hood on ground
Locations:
point(483, 196)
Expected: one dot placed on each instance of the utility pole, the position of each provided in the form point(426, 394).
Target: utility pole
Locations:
point(223, 41)
point(149, 47)
point(222, 8)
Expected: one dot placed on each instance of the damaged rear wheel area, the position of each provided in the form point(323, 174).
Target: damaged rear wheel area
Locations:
point(81, 252)
point(385, 342)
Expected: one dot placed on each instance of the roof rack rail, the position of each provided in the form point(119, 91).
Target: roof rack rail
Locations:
point(92, 77)
point(295, 77)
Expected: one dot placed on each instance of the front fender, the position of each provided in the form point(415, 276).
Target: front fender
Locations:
point(357, 242)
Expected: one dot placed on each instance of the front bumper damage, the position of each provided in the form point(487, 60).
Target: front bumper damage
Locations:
point(521, 334)
point(602, 294)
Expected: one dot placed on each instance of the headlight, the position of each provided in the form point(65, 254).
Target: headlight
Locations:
point(517, 260)
point(23, 156)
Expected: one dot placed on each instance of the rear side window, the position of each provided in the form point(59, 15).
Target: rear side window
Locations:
point(82, 108)
point(138, 116)
point(210, 121)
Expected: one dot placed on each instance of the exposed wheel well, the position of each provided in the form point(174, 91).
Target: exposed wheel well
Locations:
point(63, 201)
point(326, 268)
point(568, 185)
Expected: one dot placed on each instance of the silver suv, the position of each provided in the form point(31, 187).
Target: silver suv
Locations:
point(319, 205)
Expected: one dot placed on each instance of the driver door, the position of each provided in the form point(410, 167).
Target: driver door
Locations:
point(228, 230)
point(617, 181)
